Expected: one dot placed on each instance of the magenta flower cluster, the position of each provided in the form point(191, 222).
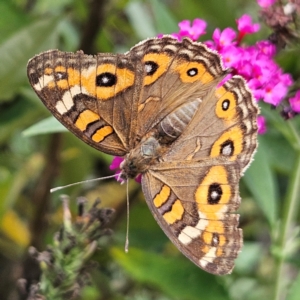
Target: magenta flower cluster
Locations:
point(265, 3)
point(255, 63)
point(295, 102)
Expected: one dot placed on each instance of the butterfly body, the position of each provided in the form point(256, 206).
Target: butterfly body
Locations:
point(162, 108)
point(158, 141)
point(141, 158)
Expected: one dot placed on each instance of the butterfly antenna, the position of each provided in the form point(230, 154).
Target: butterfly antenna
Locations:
point(127, 225)
point(80, 182)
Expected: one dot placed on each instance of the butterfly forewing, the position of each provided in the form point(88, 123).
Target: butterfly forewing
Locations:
point(175, 73)
point(81, 92)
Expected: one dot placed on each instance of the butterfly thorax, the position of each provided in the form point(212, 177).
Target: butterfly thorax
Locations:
point(144, 155)
point(154, 144)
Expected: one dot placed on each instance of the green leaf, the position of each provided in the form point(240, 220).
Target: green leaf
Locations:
point(57, 6)
point(295, 289)
point(283, 126)
point(19, 180)
point(165, 23)
point(180, 279)
point(48, 125)
point(261, 182)
point(11, 20)
point(143, 224)
point(140, 19)
point(281, 154)
point(69, 35)
point(248, 258)
point(17, 50)
point(15, 116)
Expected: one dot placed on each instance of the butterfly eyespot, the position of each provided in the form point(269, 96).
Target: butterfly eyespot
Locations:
point(150, 67)
point(227, 148)
point(225, 104)
point(215, 240)
point(214, 193)
point(106, 79)
point(192, 72)
point(60, 75)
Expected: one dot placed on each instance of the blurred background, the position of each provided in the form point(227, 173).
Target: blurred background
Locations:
point(37, 153)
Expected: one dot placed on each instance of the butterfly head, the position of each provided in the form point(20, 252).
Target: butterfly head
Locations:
point(138, 160)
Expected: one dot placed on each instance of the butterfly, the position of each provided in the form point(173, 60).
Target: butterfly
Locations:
point(163, 108)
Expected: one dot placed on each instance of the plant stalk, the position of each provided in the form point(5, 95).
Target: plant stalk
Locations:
point(291, 207)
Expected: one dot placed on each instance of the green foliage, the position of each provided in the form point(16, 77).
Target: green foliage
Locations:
point(37, 154)
point(64, 264)
point(49, 125)
point(262, 184)
point(295, 289)
point(170, 274)
point(14, 60)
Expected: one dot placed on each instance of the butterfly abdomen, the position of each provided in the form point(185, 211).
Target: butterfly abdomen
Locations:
point(171, 127)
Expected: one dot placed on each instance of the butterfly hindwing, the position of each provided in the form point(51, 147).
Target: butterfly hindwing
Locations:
point(224, 125)
point(193, 204)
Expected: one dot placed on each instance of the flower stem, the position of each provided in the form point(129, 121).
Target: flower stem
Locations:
point(290, 210)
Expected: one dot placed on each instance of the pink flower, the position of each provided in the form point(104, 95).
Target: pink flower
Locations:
point(115, 165)
point(295, 102)
point(230, 56)
point(138, 178)
point(286, 79)
point(224, 38)
point(257, 74)
point(274, 94)
point(195, 31)
point(176, 36)
point(261, 73)
point(258, 93)
point(210, 44)
point(245, 26)
point(265, 3)
point(266, 48)
point(261, 124)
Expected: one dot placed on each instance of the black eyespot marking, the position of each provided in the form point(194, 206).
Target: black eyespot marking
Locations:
point(150, 67)
point(225, 104)
point(214, 193)
point(60, 76)
point(106, 79)
point(227, 148)
point(34, 78)
point(215, 240)
point(192, 72)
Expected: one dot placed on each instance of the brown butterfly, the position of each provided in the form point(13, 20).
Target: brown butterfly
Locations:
point(161, 107)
